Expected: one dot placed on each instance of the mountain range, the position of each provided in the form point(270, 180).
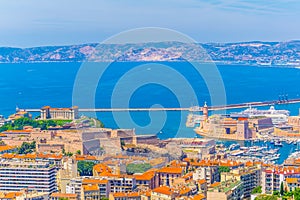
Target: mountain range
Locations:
point(248, 53)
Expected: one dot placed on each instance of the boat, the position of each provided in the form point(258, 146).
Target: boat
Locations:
point(278, 143)
point(277, 116)
point(272, 142)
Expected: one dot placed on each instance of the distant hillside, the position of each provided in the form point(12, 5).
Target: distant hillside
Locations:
point(254, 53)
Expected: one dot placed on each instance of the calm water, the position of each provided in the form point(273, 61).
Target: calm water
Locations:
point(36, 85)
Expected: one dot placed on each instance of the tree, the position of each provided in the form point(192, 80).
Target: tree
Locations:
point(78, 152)
point(26, 148)
point(257, 190)
point(281, 189)
point(296, 193)
point(85, 168)
point(276, 193)
point(224, 169)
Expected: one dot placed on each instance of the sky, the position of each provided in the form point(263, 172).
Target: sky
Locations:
point(28, 23)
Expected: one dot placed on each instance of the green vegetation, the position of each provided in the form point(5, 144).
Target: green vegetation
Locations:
point(26, 148)
point(78, 152)
point(224, 169)
point(99, 124)
point(93, 122)
point(257, 190)
point(284, 195)
point(281, 189)
point(62, 198)
point(266, 197)
point(18, 124)
point(69, 154)
point(137, 168)
point(85, 168)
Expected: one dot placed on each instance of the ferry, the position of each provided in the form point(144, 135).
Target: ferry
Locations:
point(277, 116)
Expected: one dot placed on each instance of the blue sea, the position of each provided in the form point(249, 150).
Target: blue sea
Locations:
point(141, 85)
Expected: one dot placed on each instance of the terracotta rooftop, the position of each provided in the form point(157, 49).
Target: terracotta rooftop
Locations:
point(12, 195)
point(123, 194)
point(100, 168)
point(145, 176)
point(163, 190)
point(94, 181)
point(89, 187)
point(291, 180)
point(171, 170)
point(6, 147)
point(63, 195)
point(199, 197)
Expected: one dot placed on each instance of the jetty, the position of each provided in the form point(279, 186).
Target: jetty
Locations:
point(194, 108)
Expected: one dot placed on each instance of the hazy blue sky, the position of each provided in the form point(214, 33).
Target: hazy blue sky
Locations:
point(56, 22)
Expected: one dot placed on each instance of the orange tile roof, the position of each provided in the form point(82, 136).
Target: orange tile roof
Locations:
point(85, 157)
point(16, 131)
point(199, 197)
point(6, 147)
point(145, 176)
point(123, 194)
point(202, 181)
point(12, 195)
point(8, 155)
point(291, 180)
point(188, 175)
point(171, 170)
point(163, 190)
point(50, 155)
point(184, 190)
point(63, 195)
point(94, 181)
point(89, 187)
point(216, 184)
point(32, 156)
point(100, 168)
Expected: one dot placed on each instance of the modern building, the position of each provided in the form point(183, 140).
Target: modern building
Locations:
point(229, 190)
point(59, 113)
point(249, 176)
point(102, 191)
point(74, 187)
point(122, 184)
point(272, 178)
point(32, 175)
point(208, 173)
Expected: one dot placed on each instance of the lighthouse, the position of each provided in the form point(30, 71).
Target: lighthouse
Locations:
point(205, 111)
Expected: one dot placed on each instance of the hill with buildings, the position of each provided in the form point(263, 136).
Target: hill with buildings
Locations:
point(248, 53)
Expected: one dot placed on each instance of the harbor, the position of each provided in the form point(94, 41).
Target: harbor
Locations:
point(259, 150)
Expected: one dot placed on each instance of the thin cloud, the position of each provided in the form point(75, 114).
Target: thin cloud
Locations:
point(257, 7)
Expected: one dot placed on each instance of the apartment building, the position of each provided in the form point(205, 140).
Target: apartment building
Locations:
point(273, 177)
point(249, 176)
point(33, 176)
